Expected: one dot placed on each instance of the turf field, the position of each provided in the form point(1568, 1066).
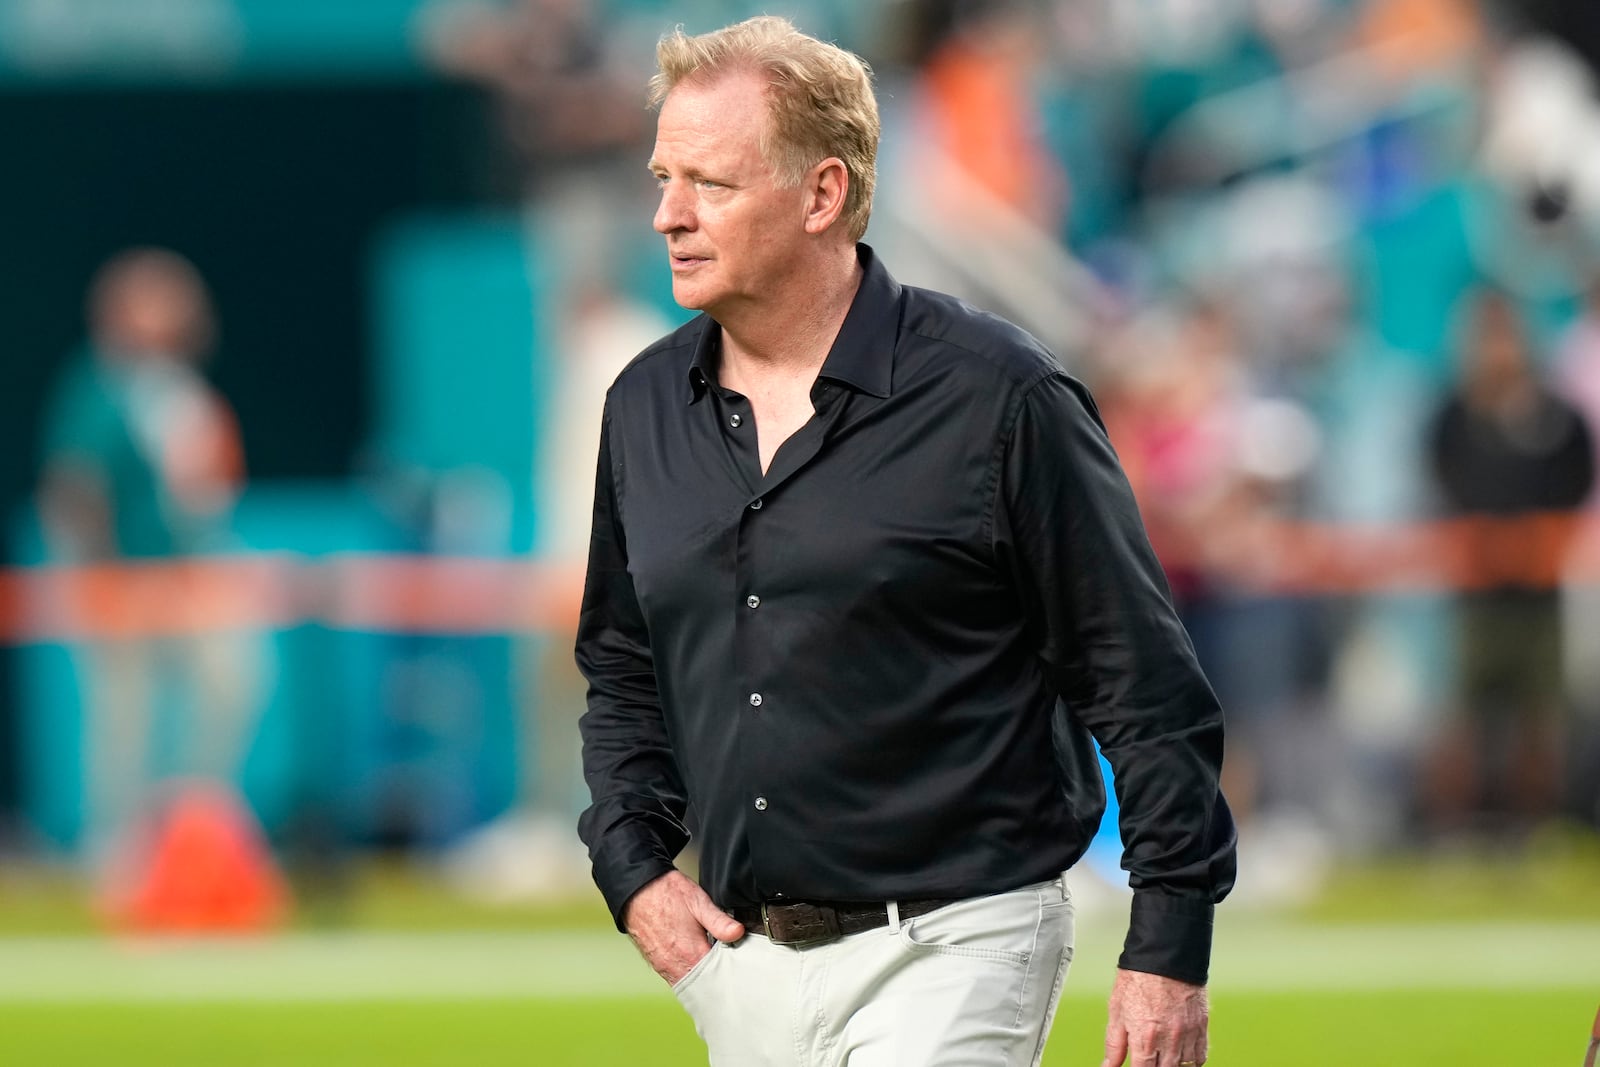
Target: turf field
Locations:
point(1459, 994)
point(1491, 1029)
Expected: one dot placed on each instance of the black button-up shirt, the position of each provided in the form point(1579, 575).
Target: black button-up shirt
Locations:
point(873, 671)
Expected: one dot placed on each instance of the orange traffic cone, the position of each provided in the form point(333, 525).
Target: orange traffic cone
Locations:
point(204, 868)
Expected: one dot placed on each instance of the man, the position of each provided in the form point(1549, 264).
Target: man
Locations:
point(142, 460)
point(863, 578)
point(1504, 446)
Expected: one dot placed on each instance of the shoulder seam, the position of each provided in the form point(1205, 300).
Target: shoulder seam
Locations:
point(1023, 380)
point(1008, 427)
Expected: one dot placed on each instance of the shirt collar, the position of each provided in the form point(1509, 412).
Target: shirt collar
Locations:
point(703, 368)
point(862, 356)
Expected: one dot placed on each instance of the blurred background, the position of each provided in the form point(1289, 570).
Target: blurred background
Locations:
point(307, 308)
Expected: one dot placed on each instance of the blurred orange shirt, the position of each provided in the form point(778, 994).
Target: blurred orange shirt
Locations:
point(980, 111)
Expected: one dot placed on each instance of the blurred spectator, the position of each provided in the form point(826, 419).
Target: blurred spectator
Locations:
point(1216, 462)
point(1505, 446)
point(973, 200)
point(142, 461)
point(979, 125)
point(1172, 389)
point(141, 455)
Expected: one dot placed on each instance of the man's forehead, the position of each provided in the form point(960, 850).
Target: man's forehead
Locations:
point(717, 99)
point(705, 121)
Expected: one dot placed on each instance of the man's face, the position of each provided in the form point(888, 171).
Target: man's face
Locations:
point(155, 315)
point(731, 232)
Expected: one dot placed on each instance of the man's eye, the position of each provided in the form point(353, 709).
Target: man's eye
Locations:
point(707, 183)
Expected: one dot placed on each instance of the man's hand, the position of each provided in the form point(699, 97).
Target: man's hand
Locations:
point(1156, 1022)
point(669, 919)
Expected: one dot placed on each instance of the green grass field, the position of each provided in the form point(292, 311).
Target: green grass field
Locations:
point(1284, 993)
point(1492, 1029)
point(1456, 964)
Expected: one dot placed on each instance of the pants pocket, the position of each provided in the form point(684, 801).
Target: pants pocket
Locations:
point(682, 985)
point(1003, 928)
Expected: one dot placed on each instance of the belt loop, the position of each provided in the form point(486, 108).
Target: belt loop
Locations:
point(894, 916)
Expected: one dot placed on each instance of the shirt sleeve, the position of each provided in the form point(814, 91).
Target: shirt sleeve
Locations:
point(634, 825)
point(1098, 606)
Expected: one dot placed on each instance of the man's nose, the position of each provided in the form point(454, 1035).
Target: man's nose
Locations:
point(674, 212)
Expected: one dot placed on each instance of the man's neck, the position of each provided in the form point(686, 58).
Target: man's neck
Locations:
point(792, 333)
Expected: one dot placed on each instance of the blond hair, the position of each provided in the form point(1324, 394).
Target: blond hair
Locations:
point(819, 97)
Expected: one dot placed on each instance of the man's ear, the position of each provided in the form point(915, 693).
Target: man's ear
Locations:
point(826, 186)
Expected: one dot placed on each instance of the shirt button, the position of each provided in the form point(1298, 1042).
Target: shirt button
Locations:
point(735, 420)
point(755, 700)
point(755, 505)
point(752, 601)
point(761, 803)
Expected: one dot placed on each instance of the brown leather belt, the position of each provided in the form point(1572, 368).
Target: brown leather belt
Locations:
point(803, 923)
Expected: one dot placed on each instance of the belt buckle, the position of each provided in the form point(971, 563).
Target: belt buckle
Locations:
point(799, 925)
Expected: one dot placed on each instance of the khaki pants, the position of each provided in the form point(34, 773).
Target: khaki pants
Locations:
point(972, 983)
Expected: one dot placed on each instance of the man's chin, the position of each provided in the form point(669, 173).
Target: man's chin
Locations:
point(691, 297)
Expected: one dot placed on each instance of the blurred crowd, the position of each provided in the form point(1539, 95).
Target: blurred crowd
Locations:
point(1331, 268)
point(1338, 257)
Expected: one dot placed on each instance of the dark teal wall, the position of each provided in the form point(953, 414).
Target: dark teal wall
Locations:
point(278, 194)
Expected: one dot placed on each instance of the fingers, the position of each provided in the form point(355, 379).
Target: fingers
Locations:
point(1191, 1049)
point(1164, 1047)
point(669, 919)
point(673, 898)
point(673, 954)
point(1154, 1021)
point(1146, 1034)
point(1116, 1043)
point(1144, 1052)
point(1149, 1051)
point(718, 923)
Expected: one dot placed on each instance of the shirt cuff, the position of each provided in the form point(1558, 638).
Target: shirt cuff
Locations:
point(1169, 936)
point(622, 872)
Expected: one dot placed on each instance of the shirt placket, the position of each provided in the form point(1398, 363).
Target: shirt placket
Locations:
point(738, 430)
point(758, 694)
